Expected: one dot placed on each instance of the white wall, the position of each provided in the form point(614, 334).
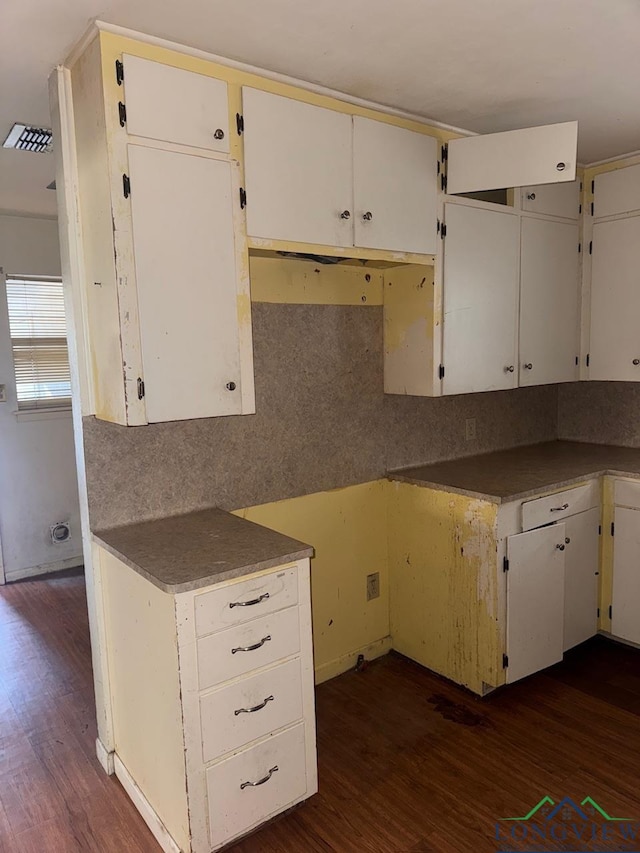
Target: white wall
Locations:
point(37, 462)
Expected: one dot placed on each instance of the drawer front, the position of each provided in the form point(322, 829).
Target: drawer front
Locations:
point(239, 602)
point(279, 764)
point(250, 708)
point(560, 505)
point(627, 493)
point(246, 647)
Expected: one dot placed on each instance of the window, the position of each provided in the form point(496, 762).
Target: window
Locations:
point(39, 342)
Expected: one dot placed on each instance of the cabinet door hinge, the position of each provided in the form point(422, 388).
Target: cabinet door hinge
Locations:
point(239, 124)
point(610, 611)
point(443, 230)
point(593, 187)
point(243, 198)
point(587, 359)
point(444, 153)
point(580, 208)
point(119, 72)
point(140, 388)
point(577, 360)
point(592, 208)
point(598, 613)
point(438, 224)
point(599, 530)
point(505, 661)
point(126, 186)
point(443, 183)
point(579, 247)
point(122, 113)
point(591, 247)
point(505, 564)
point(441, 371)
point(613, 528)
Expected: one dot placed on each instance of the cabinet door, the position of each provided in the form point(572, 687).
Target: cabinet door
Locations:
point(549, 302)
point(535, 600)
point(298, 170)
point(617, 191)
point(615, 301)
point(517, 158)
point(395, 189)
point(554, 199)
point(625, 613)
point(481, 267)
point(186, 281)
point(581, 577)
point(175, 105)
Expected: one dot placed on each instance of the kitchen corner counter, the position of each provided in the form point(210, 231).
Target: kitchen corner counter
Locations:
point(186, 552)
point(521, 472)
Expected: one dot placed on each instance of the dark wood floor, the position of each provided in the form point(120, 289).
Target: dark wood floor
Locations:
point(407, 761)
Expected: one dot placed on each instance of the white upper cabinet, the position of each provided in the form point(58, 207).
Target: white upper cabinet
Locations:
point(553, 199)
point(298, 171)
point(186, 278)
point(516, 158)
point(617, 191)
point(549, 302)
point(395, 191)
point(318, 176)
point(535, 600)
point(174, 105)
point(614, 348)
point(481, 258)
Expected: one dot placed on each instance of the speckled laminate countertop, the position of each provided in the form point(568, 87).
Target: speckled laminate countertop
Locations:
point(509, 475)
point(186, 552)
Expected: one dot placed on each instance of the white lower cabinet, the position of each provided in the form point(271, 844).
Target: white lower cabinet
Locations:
point(581, 570)
point(535, 600)
point(625, 603)
point(213, 701)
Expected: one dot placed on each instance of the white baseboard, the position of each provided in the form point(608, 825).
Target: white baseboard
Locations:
point(336, 667)
point(159, 830)
point(43, 569)
point(105, 758)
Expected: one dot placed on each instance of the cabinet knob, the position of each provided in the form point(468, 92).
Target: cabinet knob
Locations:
point(219, 134)
point(567, 540)
point(346, 214)
point(231, 386)
point(368, 216)
point(561, 166)
point(509, 368)
point(528, 366)
point(560, 547)
point(531, 196)
point(636, 361)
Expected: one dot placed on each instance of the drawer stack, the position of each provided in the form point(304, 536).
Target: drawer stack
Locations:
point(254, 704)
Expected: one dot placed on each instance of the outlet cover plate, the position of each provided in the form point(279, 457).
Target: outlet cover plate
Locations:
point(470, 429)
point(373, 586)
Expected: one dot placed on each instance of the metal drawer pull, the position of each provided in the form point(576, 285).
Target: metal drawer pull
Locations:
point(255, 707)
point(560, 547)
point(253, 601)
point(253, 647)
point(559, 508)
point(260, 781)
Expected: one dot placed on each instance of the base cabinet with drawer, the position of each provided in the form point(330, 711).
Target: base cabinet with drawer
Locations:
point(213, 701)
point(486, 593)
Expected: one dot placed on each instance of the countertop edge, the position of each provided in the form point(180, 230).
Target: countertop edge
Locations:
point(589, 474)
point(205, 580)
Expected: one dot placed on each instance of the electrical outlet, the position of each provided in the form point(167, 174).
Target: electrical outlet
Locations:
point(373, 586)
point(3, 393)
point(470, 429)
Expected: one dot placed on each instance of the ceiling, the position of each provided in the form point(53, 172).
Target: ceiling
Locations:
point(485, 66)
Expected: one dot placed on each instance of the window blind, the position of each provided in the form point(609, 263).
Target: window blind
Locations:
point(39, 342)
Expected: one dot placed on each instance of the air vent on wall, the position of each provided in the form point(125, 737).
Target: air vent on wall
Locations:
point(23, 137)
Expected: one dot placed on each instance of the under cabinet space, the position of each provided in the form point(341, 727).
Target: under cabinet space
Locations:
point(194, 108)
